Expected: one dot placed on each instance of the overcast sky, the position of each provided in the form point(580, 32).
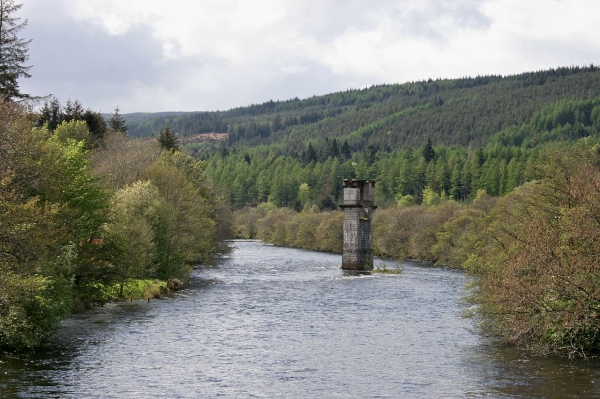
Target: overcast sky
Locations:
point(197, 55)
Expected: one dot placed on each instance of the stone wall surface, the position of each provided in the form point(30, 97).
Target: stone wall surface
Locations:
point(358, 209)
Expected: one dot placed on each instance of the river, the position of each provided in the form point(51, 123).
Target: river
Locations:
point(272, 322)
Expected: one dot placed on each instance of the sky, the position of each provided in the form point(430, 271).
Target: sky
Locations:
point(207, 55)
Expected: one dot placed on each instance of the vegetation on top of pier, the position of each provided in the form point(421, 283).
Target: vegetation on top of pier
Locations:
point(382, 268)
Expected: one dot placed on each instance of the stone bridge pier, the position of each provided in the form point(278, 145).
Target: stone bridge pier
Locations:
point(358, 206)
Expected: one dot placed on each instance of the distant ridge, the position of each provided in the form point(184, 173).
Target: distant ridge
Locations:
point(464, 112)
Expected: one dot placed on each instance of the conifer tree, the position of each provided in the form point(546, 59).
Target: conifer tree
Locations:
point(13, 51)
point(73, 111)
point(117, 122)
point(51, 113)
point(311, 154)
point(333, 150)
point(428, 151)
point(167, 139)
point(96, 124)
point(346, 153)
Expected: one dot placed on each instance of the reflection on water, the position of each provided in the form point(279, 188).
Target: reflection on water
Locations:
point(276, 322)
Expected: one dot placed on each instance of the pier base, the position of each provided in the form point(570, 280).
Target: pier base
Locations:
point(357, 253)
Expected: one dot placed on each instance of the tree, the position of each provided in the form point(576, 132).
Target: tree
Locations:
point(428, 151)
point(13, 51)
point(50, 208)
point(134, 213)
point(277, 124)
point(73, 111)
point(311, 154)
point(121, 160)
point(537, 261)
point(346, 153)
point(167, 139)
point(50, 114)
point(303, 194)
point(117, 122)
point(96, 125)
point(185, 229)
point(74, 130)
point(333, 150)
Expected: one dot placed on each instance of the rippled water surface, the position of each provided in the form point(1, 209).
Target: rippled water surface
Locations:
point(274, 322)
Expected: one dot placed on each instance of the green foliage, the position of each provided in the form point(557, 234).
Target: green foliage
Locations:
point(75, 130)
point(465, 112)
point(428, 151)
point(307, 230)
point(186, 225)
point(405, 200)
point(66, 240)
point(117, 123)
point(382, 268)
point(52, 115)
point(35, 297)
point(168, 140)
point(13, 51)
point(538, 277)
point(430, 197)
point(136, 289)
point(135, 214)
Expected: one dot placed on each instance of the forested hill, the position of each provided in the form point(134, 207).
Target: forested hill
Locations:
point(464, 112)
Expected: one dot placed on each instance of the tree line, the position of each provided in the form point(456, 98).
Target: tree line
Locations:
point(313, 175)
point(85, 215)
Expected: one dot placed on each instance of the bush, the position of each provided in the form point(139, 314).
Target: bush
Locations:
point(539, 278)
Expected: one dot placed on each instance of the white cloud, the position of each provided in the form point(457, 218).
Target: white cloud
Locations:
point(209, 54)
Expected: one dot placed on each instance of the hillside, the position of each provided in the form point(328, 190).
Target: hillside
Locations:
point(447, 137)
point(465, 112)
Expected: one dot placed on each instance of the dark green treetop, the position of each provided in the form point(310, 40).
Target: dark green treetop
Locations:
point(428, 151)
point(13, 51)
point(117, 122)
point(167, 139)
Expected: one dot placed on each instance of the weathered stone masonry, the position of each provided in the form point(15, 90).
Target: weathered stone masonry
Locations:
point(358, 206)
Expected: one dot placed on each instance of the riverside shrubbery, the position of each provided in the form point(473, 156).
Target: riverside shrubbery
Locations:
point(533, 253)
point(73, 232)
point(442, 233)
point(310, 229)
point(538, 257)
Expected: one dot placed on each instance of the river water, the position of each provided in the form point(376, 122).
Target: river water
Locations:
point(273, 322)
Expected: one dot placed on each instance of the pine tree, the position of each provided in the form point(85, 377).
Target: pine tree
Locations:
point(428, 151)
point(51, 113)
point(276, 124)
point(346, 153)
point(333, 150)
point(73, 111)
point(96, 124)
point(117, 122)
point(167, 139)
point(13, 51)
point(311, 154)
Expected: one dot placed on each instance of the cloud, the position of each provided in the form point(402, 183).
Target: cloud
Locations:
point(148, 55)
